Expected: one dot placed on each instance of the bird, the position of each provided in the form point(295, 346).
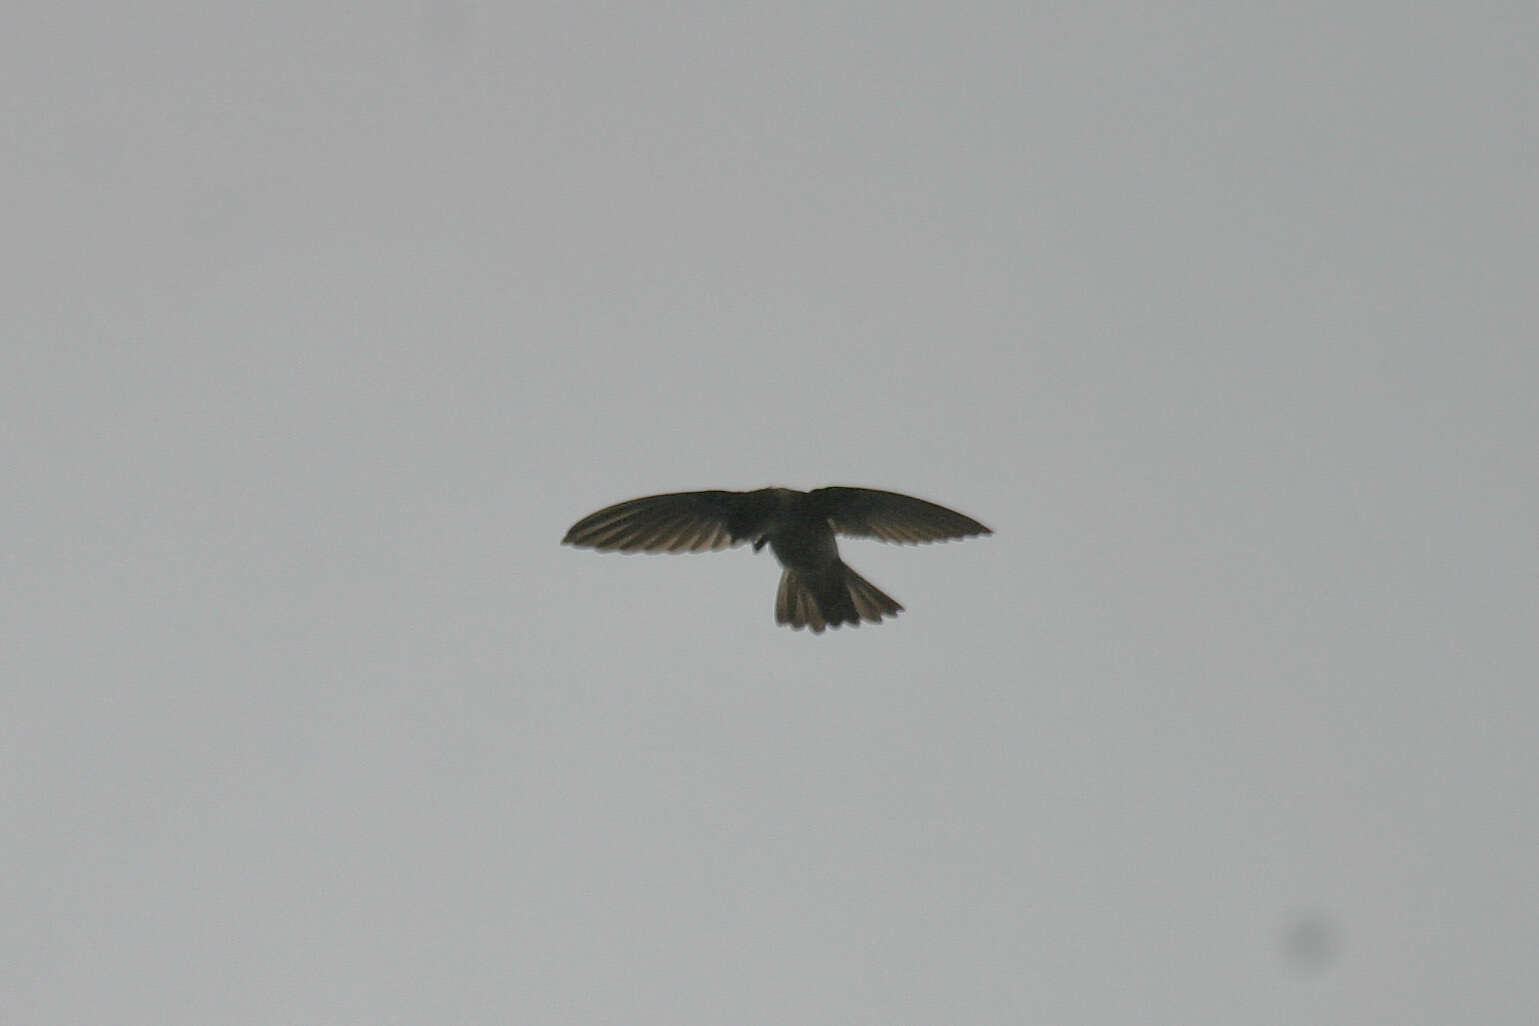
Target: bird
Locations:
point(817, 588)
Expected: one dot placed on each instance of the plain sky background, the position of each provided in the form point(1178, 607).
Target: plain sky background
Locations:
point(324, 321)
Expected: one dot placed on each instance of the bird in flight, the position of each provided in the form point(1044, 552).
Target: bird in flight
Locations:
point(817, 589)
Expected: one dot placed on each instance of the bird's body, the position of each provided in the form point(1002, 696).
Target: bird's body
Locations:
point(817, 589)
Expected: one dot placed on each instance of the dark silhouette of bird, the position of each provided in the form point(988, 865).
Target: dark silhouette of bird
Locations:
point(817, 589)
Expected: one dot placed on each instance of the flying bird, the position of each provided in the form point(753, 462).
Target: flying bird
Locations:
point(817, 589)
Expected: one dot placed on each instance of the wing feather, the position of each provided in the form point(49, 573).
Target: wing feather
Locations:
point(888, 516)
point(677, 522)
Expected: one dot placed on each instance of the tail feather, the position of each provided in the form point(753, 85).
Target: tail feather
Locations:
point(870, 602)
point(827, 598)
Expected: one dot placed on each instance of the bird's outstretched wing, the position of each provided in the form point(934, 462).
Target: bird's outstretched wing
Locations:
point(678, 522)
point(888, 516)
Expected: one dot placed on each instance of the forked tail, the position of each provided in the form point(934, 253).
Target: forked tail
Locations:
point(830, 597)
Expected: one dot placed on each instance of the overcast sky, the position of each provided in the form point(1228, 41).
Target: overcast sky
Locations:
point(324, 321)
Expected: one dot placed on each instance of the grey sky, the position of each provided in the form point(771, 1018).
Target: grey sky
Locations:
point(324, 322)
